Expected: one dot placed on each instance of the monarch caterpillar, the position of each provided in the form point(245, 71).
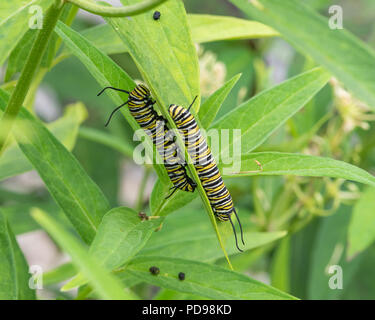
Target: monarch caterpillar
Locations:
point(141, 107)
point(208, 172)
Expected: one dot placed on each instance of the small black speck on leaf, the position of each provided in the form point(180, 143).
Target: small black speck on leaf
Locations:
point(181, 276)
point(143, 216)
point(154, 270)
point(156, 15)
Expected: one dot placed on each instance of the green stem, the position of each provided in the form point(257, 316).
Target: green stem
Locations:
point(106, 11)
point(67, 16)
point(142, 187)
point(32, 63)
point(280, 206)
point(258, 207)
point(30, 97)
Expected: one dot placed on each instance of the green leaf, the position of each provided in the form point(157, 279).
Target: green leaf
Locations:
point(188, 228)
point(166, 294)
point(258, 117)
point(202, 279)
point(127, 280)
point(275, 163)
point(14, 271)
point(108, 140)
point(348, 58)
point(329, 249)
point(319, 4)
point(170, 66)
point(14, 22)
point(207, 28)
point(280, 272)
point(19, 54)
point(204, 28)
point(160, 206)
point(177, 248)
point(107, 287)
point(18, 214)
point(77, 281)
point(361, 233)
point(59, 274)
point(65, 129)
point(80, 198)
point(104, 38)
point(107, 73)
point(362, 287)
point(103, 69)
point(302, 243)
point(120, 236)
point(211, 106)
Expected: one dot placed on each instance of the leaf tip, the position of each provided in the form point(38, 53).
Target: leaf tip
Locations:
point(37, 214)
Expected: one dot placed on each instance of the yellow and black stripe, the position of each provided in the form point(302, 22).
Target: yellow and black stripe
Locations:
point(141, 108)
point(208, 172)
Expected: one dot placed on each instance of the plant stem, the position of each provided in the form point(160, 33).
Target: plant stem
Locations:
point(258, 206)
point(141, 192)
point(30, 97)
point(281, 204)
point(32, 63)
point(107, 11)
point(68, 20)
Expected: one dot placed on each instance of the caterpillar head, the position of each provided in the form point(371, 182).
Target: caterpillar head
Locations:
point(142, 87)
point(140, 93)
point(177, 113)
